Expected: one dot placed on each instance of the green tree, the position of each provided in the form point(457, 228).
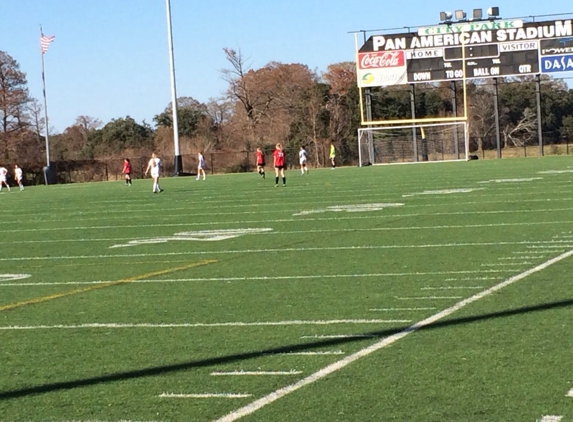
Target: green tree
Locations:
point(119, 135)
point(519, 94)
point(190, 113)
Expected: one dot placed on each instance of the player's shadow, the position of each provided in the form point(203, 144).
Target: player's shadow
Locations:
point(166, 369)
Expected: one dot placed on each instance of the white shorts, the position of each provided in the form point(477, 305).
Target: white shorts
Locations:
point(302, 161)
point(154, 173)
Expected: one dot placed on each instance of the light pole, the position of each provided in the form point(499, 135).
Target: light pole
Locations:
point(178, 161)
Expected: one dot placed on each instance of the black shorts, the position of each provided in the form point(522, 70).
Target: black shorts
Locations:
point(280, 167)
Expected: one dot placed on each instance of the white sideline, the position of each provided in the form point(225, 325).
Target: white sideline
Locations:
point(327, 370)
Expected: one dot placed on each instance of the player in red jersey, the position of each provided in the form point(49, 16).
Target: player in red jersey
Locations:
point(261, 162)
point(279, 161)
point(127, 171)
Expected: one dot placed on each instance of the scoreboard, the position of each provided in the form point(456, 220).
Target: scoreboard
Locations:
point(484, 48)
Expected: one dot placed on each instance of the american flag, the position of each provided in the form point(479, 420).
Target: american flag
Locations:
point(45, 42)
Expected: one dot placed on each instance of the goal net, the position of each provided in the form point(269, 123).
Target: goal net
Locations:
point(413, 143)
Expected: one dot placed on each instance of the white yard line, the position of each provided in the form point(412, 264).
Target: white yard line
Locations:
point(204, 324)
point(340, 336)
point(453, 288)
point(260, 278)
point(255, 373)
point(507, 264)
point(334, 367)
point(529, 244)
point(337, 218)
point(325, 353)
point(401, 309)
point(428, 297)
point(205, 396)
point(472, 279)
point(550, 418)
point(232, 204)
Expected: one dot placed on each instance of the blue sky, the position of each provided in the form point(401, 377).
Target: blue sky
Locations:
point(110, 58)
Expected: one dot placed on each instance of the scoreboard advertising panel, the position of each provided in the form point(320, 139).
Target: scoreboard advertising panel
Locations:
point(499, 48)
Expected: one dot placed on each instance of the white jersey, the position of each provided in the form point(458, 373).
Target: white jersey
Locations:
point(201, 161)
point(302, 156)
point(155, 165)
point(3, 173)
point(18, 173)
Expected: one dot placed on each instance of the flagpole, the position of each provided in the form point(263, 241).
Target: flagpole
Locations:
point(49, 173)
point(178, 161)
point(46, 115)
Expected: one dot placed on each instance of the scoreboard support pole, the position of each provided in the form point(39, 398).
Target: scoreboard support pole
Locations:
point(455, 113)
point(496, 113)
point(413, 110)
point(539, 122)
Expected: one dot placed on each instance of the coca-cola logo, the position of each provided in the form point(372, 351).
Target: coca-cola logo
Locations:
point(381, 60)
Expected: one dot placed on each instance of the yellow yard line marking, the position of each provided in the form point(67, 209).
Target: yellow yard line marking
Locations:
point(101, 286)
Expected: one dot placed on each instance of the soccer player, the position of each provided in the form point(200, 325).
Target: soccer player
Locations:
point(261, 162)
point(18, 176)
point(3, 175)
point(279, 163)
point(127, 171)
point(200, 166)
point(155, 166)
point(302, 157)
point(332, 156)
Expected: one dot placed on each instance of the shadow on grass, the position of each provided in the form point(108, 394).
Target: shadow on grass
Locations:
point(160, 370)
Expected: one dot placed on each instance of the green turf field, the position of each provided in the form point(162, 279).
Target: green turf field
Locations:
point(418, 293)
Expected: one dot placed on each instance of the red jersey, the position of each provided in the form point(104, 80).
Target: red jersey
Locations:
point(126, 168)
point(260, 158)
point(279, 158)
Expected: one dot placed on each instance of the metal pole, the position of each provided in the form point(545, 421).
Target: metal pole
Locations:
point(413, 108)
point(538, 100)
point(455, 111)
point(368, 99)
point(178, 160)
point(496, 112)
point(46, 115)
point(49, 173)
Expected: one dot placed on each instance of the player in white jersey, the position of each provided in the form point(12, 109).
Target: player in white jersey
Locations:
point(155, 166)
point(302, 158)
point(18, 176)
point(200, 166)
point(3, 177)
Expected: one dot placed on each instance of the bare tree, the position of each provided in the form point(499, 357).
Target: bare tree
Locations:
point(266, 101)
point(523, 131)
point(13, 101)
point(341, 78)
point(37, 122)
point(481, 112)
point(239, 87)
point(220, 112)
point(242, 88)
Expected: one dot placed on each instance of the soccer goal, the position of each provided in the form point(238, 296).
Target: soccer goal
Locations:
point(413, 143)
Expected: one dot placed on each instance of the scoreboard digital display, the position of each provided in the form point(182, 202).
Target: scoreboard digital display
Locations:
point(486, 49)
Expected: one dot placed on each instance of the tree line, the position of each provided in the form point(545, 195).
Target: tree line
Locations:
point(280, 102)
